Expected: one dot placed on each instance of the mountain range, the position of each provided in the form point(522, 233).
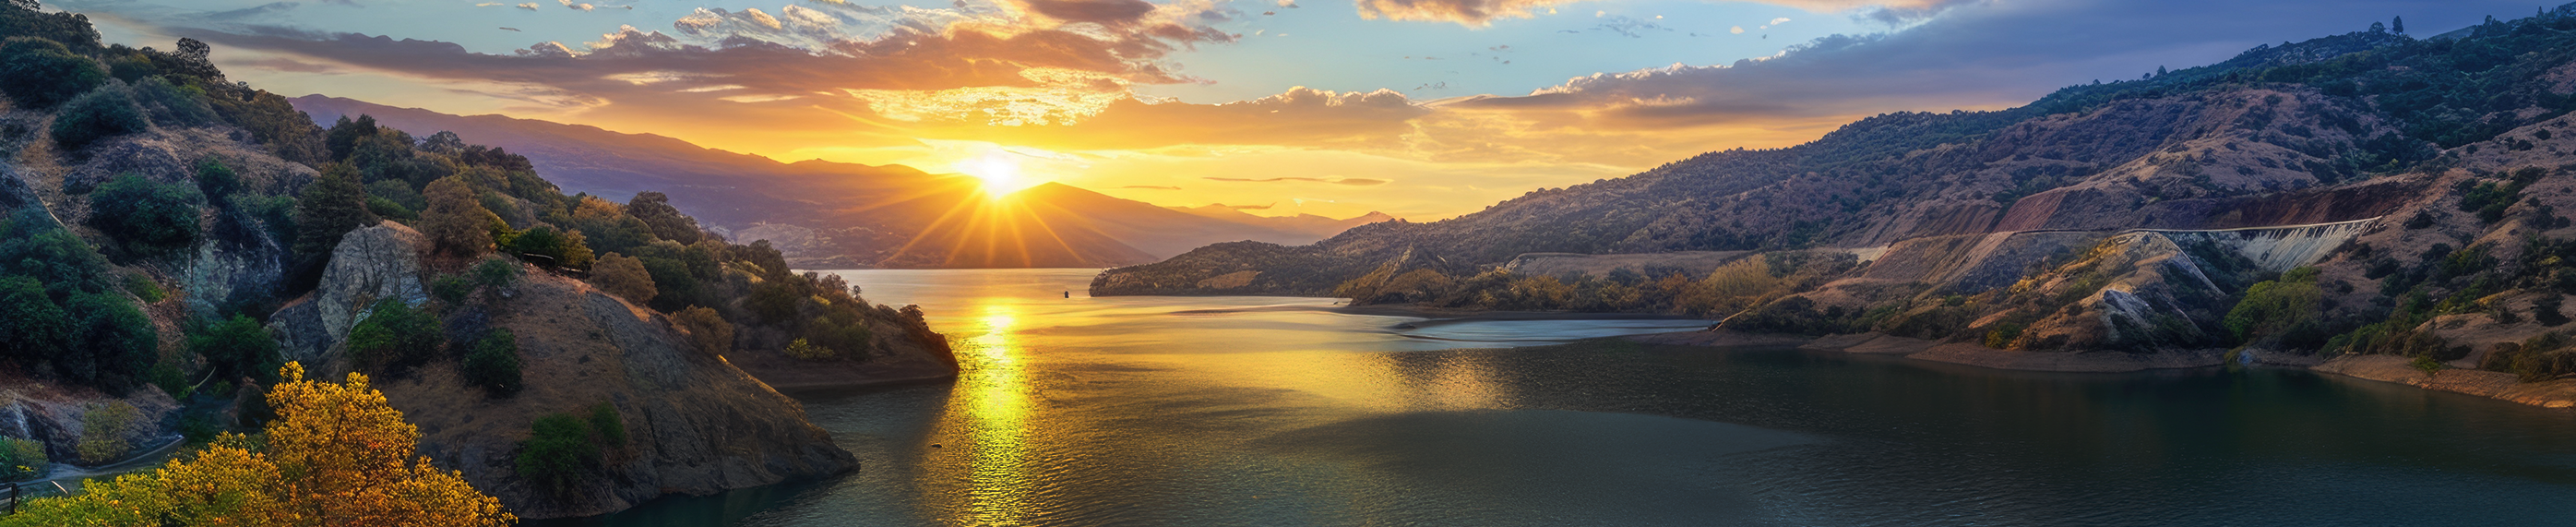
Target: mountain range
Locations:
point(844, 215)
point(2370, 195)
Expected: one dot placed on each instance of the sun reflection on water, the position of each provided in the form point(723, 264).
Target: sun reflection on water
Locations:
point(992, 396)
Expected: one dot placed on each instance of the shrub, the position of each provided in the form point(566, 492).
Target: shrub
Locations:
point(168, 378)
point(804, 349)
point(22, 459)
point(112, 343)
point(215, 180)
point(707, 330)
point(148, 217)
point(773, 301)
point(496, 272)
point(107, 431)
point(238, 347)
point(105, 112)
point(144, 288)
point(568, 249)
point(31, 326)
point(847, 338)
point(38, 73)
point(451, 289)
point(494, 363)
point(623, 276)
point(174, 105)
point(394, 335)
point(558, 452)
point(665, 222)
point(605, 421)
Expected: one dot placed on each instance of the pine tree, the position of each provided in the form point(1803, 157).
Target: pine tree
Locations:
point(332, 205)
point(2397, 26)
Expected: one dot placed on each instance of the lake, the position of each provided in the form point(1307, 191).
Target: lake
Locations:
point(1280, 411)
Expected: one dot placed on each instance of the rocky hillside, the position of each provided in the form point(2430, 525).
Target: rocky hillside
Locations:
point(2364, 193)
point(695, 424)
point(169, 238)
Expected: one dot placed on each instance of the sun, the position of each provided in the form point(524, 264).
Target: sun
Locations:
point(999, 169)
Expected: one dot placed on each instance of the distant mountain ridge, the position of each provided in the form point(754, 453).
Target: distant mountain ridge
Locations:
point(828, 214)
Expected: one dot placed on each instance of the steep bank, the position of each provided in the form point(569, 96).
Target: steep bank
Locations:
point(697, 425)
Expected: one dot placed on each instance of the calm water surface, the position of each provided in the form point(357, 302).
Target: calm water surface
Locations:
point(1272, 411)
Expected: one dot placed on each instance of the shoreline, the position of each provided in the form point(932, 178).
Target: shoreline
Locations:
point(2381, 368)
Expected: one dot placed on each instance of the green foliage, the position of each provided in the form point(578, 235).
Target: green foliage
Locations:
point(393, 336)
point(33, 245)
point(399, 193)
point(172, 105)
point(493, 364)
point(331, 206)
point(496, 272)
point(1793, 315)
point(2425, 363)
point(38, 73)
point(559, 454)
point(2001, 336)
point(102, 113)
point(451, 289)
point(805, 349)
point(147, 218)
point(2271, 307)
point(605, 421)
point(111, 345)
point(216, 180)
point(456, 221)
point(171, 381)
point(107, 431)
point(22, 459)
point(32, 328)
point(238, 347)
point(567, 249)
point(143, 288)
point(665, 222)
point(773, 301)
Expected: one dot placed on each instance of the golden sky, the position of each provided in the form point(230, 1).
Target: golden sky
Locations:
point(1420, 108)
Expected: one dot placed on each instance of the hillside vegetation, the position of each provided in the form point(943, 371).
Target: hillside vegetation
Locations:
point(169, 239)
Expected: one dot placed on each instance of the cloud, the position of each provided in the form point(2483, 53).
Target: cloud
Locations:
point(1108, 12)
point(1470, 13)
point(1356, 182)
point(531, 6)
point(1244, 207)
point(1150, 187)
point(284, 64)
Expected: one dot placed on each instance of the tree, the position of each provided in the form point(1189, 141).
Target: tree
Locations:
point(456, 221)
point(345, 134)
point(238, 347)
point(111, 344)
point(2397, 25)
point(666, 222)
point(331, 206)
point(623, 276)
point(2376, 27)
point(707, 330)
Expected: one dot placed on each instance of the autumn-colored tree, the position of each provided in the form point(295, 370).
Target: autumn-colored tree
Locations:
point(707, 330)
point(337, 455)
point(456, 221)
point(623, 276)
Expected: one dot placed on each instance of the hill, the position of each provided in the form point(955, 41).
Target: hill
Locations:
point(2368, 193)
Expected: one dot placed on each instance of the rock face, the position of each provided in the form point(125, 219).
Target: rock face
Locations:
point(695, 423)
point(371, 264)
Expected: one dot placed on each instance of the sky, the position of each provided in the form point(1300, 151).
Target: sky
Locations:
point(1424, 109)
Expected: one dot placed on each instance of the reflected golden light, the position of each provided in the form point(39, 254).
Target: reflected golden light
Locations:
point(992, 395)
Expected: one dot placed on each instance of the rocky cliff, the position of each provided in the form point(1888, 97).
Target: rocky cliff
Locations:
point(697, 424)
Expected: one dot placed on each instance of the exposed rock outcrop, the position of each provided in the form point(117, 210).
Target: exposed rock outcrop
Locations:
point(370, 264)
